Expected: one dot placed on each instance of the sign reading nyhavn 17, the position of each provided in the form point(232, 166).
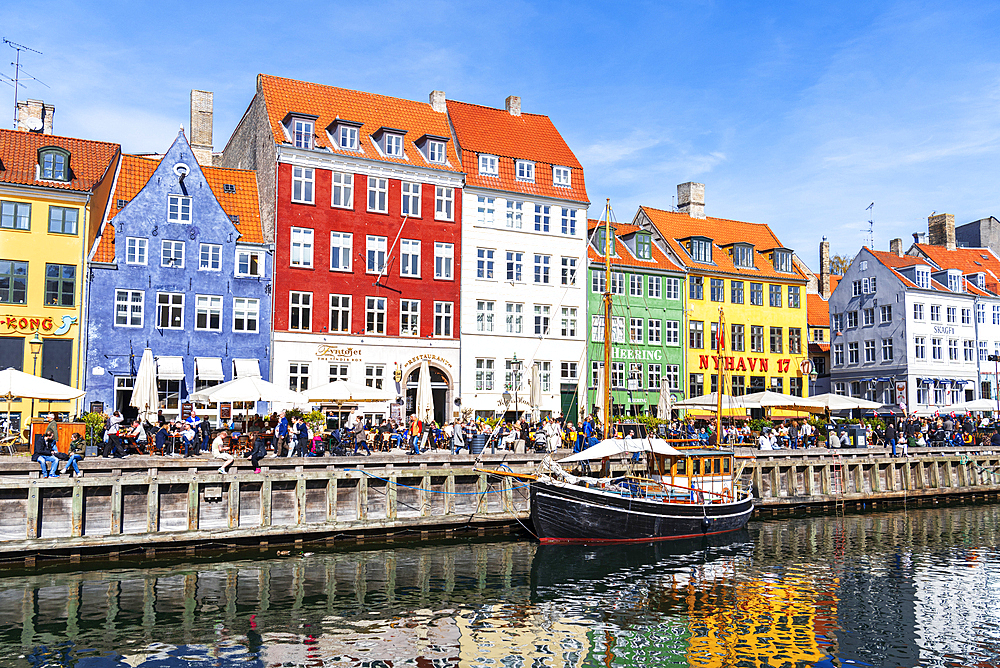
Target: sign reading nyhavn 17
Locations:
point(742, 363)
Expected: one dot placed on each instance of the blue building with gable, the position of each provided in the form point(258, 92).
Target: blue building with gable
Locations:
point(180, 266)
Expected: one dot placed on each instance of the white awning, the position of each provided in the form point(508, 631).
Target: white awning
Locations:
point(208, 368)
point(245, 367)
point(170, 368)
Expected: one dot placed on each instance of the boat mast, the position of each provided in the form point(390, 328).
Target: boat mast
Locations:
point(607, 319)
point(720, 366)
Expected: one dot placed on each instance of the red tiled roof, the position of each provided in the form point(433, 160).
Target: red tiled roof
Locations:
point(834, 281)
point(526, 137)
point(893, 262)
point(815, 347)
point(623, 257)
point(328, 103)
point(817, 311)
point(135, 173)
point(675, 226)
point(88, 160)
point(968, 261)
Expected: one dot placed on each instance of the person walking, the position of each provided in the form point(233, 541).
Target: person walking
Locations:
point(112, 443)
point(458, 437)
point(890, 434)
point(361, 437)
point(416, 428)
point(259, 451)
point(280, 434)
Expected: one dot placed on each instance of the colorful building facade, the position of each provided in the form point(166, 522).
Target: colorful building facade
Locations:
point(647, 339)
point(52, 191)
point(740, 273)
point(180, 267)
point(523, 292)
point(365, 213)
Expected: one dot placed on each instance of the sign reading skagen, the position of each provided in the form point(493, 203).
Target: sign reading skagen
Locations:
point(941, 329)
point(636, 354)
point(337, 353)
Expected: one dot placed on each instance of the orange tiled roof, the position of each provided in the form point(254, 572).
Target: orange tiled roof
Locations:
point(893, 262)
point(967, 260)
point(834, 281)
point(815, 347)
point(284, 96)
point(135, 173)
point(817, 311)
point(675, 226)
point(526, 137)
point(88, 162)
point(626, 258)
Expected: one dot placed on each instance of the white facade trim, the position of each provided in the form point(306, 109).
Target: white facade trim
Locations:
point(369, 167)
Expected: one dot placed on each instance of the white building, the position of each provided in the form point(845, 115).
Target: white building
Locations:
point(524, 300)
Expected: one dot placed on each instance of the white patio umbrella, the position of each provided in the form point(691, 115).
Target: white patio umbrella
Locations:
point(16, 384)
point(664, 400)
point(838, 402)
point(768, 399)
point(144, 393)
point(346, 392)
point(710, 402)
point(249, 388)
point(536, 393)
point(424, 407)
point(977, 405)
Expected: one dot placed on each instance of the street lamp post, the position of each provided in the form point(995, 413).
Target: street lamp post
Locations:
point(35, 343)
point(812, 382)
point(996, 377)
point(515, 367)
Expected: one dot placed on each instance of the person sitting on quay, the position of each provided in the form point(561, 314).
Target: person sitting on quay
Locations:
point(160, 438)
point(763, 441)
point(43, 455)
point(77, 448)
point(221, 451)
point(137, 434)
point(833, 440)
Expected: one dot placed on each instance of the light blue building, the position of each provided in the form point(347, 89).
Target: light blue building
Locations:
point(181, 267)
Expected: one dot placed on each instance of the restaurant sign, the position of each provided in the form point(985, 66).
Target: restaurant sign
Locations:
point(429, 358)
point(29, 324)
point(741, 363)
point(338, 353)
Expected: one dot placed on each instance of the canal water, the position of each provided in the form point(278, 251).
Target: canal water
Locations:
point(902, 588)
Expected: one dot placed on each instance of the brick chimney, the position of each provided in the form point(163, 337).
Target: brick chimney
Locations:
point(824, 269)
point(691, 199)
point(941, 230)
point(201, 126)
point(35, 116)
point(437, 100)
point(513, 105)
point(896, 247)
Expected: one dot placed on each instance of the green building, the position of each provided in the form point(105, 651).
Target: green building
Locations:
point(647, 313)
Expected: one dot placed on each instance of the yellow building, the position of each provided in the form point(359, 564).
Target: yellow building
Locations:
point(744, 270)
point(53, 192)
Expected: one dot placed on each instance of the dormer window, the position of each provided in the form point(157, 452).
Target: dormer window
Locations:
point(390, 142)
point(433, 148)
point(601, 240)
point(700, 249)
point(54, 164)
point(979, 280)
point(923, 277)
point(301, 129)
point(955, 281)
point(345, 134)
point(783, 261)
point(644, 246)
point(561, 177)
point(743, 256)
point(488, 165)
point(526, 171)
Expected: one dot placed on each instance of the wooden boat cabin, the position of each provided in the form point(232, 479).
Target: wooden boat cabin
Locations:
point(696, 474)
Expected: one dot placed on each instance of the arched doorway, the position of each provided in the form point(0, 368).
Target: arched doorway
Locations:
point(440, 390)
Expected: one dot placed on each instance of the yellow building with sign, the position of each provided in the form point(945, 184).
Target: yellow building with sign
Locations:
point(742, 273)
point(51, 189)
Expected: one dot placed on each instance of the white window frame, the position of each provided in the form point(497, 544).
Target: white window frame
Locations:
point(485, 210)
point(562, 177)
point(337, 312)
point(171, 305)
point(654, 331)
point(208, 305)
point(245, 311)
point(568, 224)
point(444, 203)
point(132, 307)
point(409, 317)
point(515, 266)
point(672, 333)
point(136, 248)
point(341, 250)
point(543, 218)
point(444, 261)
point(485, 370)
point(392, 145)
point(436, 151)
point(342, 188)
point(249, 263)
point(178, 209)
point(525, 171)
point(672, 288)
point(303, 185)
point(300, 302)
point(301, 131)
point(410, 196)
point(515, 214)
point(173, 245)
point(301, 245)
point(347, 137)
point(654, 286)
point(298, 380)
point(543, 318)
point(486, 264)
point(541, 269)
point(489, 165)
point(214, 257)
point(568, 322)
point(514, 318)
point(376, 248)
point(485, 313)
point(376, 311)
point(409, 258)
point(378, 195)
point(444, 320)
point(568, 271)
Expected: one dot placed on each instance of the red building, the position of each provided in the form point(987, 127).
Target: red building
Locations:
point(361, 196)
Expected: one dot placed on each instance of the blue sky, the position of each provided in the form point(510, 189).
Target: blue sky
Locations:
point(794, 114)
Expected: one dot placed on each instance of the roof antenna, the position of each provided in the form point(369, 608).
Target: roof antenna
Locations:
point(17, 70)
point(871, 225)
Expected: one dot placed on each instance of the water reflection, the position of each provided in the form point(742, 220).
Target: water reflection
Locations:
point(895, 589)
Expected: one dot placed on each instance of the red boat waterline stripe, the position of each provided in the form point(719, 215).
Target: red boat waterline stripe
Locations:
point(633, 540)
